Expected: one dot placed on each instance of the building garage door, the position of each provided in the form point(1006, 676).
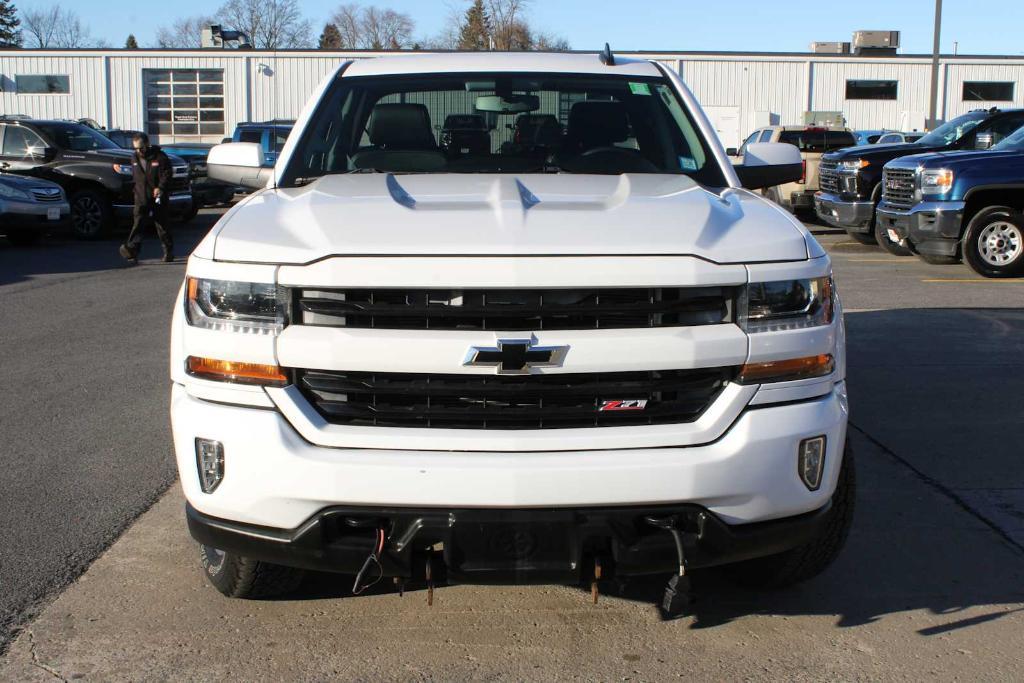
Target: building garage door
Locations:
point(184, 104)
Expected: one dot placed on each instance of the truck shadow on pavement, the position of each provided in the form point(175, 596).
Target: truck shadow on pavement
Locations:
point(59, 253)
point(933, 393)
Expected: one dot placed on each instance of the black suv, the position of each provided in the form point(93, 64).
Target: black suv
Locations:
point(850, 179)
point(95, 173)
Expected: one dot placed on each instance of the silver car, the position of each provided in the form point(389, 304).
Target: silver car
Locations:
point(29, 206)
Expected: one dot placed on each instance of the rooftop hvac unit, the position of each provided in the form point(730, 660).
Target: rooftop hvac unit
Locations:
point(834, 48)
point(875, 40)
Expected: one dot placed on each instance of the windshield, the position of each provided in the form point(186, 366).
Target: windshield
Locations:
point(502, 123)
point(818, 139)
point(1014, 142)
point(950, 132)
point(76, 137)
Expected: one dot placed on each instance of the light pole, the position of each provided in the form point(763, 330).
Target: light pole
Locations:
point(933, 109)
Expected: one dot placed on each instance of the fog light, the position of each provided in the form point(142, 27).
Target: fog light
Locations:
point(210, 462)
point(810, 461)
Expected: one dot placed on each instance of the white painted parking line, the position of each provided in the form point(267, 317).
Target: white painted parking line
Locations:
point(994, 281)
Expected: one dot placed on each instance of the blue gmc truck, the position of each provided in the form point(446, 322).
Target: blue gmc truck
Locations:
point(959, 205)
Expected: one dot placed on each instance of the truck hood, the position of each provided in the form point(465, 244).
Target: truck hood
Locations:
point(115, 155)
point(887, 151)
point(957, 158)
point(486, 214)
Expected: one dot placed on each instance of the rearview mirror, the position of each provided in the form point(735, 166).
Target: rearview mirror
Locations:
point(767, 164)
point(238, 163)
point(510, 104)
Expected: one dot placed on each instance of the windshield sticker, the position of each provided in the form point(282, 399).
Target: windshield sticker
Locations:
point(687, 164)
point(639, 88)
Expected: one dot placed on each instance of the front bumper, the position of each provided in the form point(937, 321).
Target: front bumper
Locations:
point(178, 204)
point(276, 478)
point(33, 215)
point(853, 216)
point(931, 228)
point(507, 546)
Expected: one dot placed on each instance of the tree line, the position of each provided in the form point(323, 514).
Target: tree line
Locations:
point(280, 24)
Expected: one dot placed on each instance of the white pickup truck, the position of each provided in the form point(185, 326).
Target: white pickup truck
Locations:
point(564, 344)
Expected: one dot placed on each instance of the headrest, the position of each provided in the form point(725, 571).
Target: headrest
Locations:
point(401, 126)
point(598, 123)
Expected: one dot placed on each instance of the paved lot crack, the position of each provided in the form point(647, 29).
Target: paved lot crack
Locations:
point(35, 658)
point(943, 489)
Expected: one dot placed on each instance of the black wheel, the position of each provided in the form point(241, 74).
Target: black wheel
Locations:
point(806, 561)
point(24, 238)
point(91, 215)
point(993, 244)
point(188, 215)
point(240, 577)
point(940, 260)
point(862, 237)
point(886, 242)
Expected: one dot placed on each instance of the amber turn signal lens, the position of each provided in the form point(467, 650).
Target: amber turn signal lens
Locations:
point(787, 370)
point(238, 373)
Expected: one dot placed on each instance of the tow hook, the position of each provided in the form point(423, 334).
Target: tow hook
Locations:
point(678, 595)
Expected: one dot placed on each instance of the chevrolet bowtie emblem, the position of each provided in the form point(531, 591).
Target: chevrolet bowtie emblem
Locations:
point(516, 356)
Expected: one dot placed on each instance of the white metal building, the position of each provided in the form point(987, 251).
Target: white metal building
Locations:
point(199, 95)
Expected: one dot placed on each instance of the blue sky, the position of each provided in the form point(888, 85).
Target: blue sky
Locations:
point(980, 27)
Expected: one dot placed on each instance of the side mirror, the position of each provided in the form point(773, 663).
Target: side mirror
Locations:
point(767, 164)
point(983, 141)
point(238, 163)
point(732, 152)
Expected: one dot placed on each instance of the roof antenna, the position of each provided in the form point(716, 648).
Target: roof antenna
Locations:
point(607, 58)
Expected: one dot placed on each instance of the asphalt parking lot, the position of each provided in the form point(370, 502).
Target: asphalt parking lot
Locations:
point(99, 580)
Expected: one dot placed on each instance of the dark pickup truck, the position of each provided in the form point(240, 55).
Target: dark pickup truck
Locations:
point(95, 174)
point(953, 205)
point(850, 179)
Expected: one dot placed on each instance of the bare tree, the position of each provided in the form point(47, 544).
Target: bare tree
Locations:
point(55, 27)
point(509, 30)
point(270, 24)
point(373, 28)
point(186, 32)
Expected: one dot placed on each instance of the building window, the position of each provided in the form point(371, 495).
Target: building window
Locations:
point(988, 91)
point(42, 85)
point(871, 90)
point(184, 102)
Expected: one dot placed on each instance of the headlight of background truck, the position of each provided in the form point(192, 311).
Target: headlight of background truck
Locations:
point(936, 181)
point(247, 307)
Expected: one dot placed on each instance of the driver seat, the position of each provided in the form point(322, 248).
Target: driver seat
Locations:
point(594, 128)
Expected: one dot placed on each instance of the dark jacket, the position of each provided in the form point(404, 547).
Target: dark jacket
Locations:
point(150, 171)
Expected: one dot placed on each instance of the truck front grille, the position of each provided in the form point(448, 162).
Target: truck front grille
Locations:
point(515, 309)
point(828, 178)
point(898, 187)
point(554, 401)
point(47, 195)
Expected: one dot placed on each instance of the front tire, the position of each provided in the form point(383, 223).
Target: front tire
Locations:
point(993, 244)
point(863, 237)
point(91, 215)
point(240, 577)
point(883, 240)
point(809, 560)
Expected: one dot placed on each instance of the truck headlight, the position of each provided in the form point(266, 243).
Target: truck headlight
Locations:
point(852, 165)
point(936, 181)
point(123, 169)
point(248, 307)
point(786, 305)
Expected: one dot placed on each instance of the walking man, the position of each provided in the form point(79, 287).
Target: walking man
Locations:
point(151, 172)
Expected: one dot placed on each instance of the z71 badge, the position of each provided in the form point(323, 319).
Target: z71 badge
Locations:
point(629, 404)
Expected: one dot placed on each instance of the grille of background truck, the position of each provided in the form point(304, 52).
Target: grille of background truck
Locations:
point(898, 187)
point(828, 179)
point(515, 309)
point(510, 402)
